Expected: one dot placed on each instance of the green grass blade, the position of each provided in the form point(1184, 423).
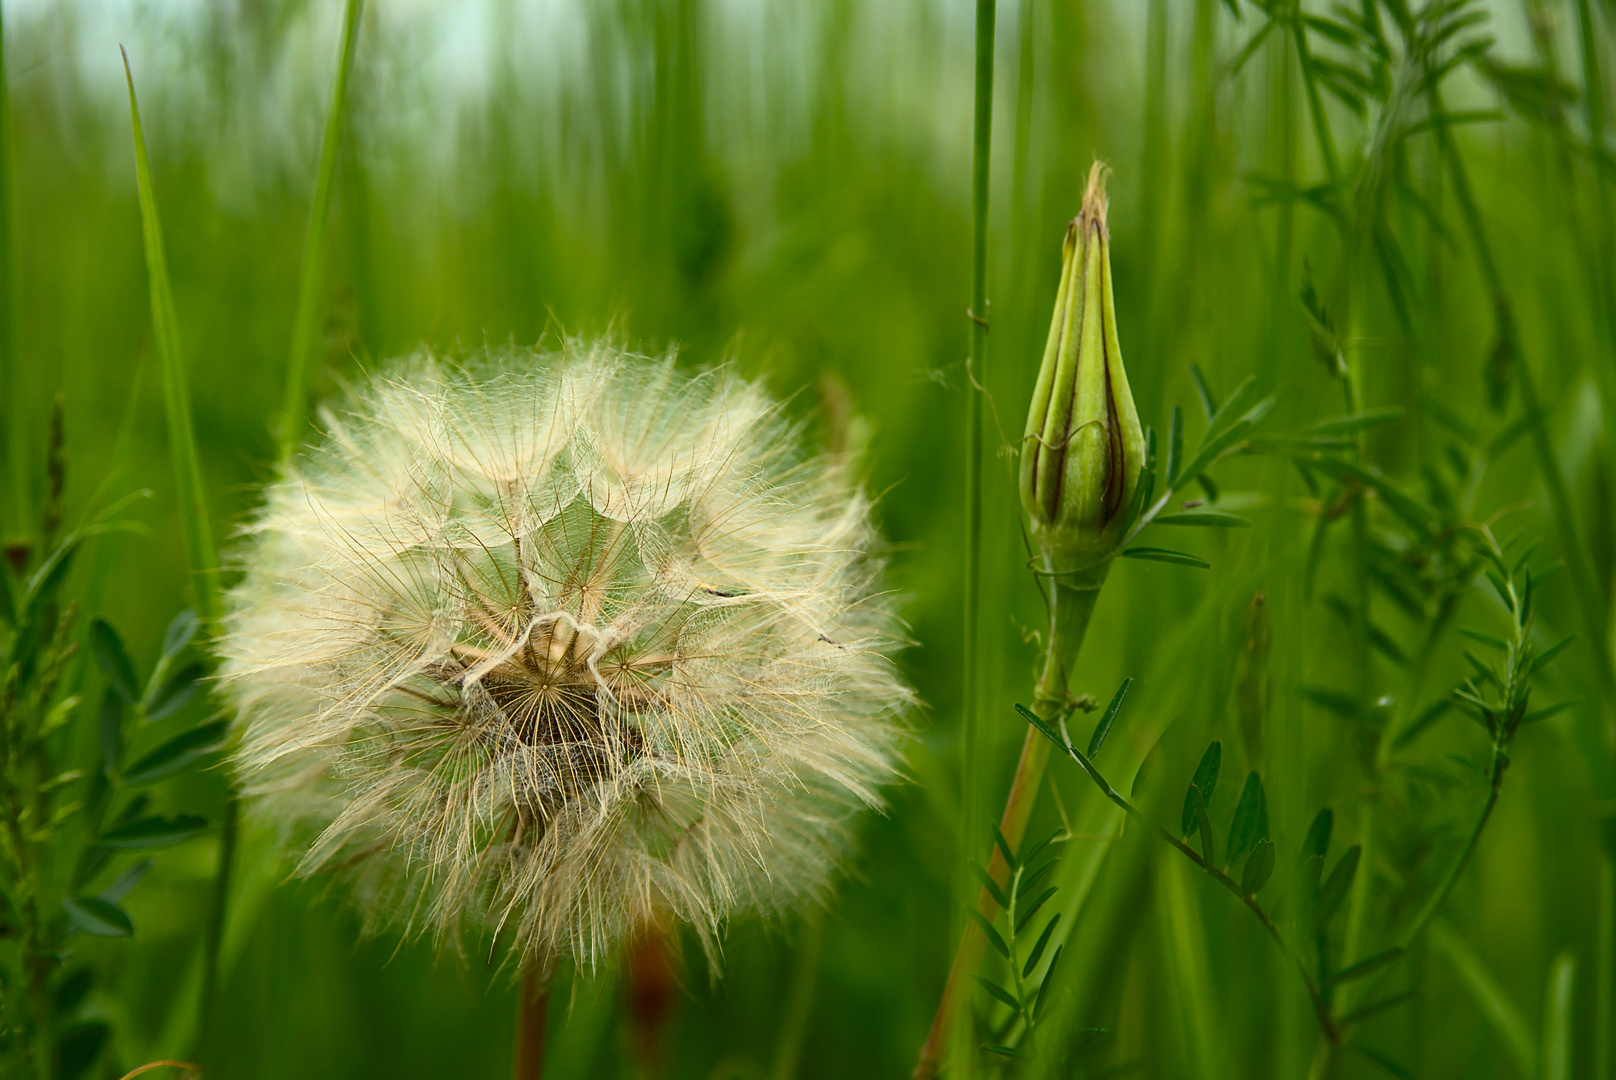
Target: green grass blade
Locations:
point(309, 279)
point(200, 551)
point(17, 494)
point(1490, 998)
point(1557, 1049)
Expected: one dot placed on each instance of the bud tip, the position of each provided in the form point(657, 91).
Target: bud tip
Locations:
point(1094, 200)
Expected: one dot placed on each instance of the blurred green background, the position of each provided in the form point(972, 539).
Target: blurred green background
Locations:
point(785, 186)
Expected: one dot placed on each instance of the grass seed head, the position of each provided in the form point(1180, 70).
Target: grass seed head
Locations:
point(560, 645)
point(1083, 450)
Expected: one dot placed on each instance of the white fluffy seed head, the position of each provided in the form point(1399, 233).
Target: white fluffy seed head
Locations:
point(560, 645)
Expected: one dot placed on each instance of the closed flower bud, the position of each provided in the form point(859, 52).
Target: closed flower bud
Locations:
point(1083, 450)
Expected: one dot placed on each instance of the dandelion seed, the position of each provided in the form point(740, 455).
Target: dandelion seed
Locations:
point(561, 646)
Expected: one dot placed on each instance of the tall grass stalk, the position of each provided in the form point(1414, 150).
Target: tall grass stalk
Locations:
point(312, 273)
point(981, 155)
point(971, 734)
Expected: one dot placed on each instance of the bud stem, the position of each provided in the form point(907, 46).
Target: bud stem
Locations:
point(1071, 603)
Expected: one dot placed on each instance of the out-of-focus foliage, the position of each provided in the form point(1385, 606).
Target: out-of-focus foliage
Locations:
point(786, 186)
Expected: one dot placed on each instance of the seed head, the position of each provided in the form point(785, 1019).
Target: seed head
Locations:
point(1084, 448)
point(562, 645)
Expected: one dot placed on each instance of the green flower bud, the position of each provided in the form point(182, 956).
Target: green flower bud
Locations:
point(1083, 450)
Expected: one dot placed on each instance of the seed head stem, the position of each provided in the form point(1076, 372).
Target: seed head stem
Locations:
point(534, 1001)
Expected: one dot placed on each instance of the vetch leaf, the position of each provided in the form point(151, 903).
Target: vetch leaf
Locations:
point(45, 582)
point(111, 730)
point(1205, 780)
point(1205, 519)
point(1366, 967)
point(1006, 1051)
point(113, 660)
point(1036, 721)
point(1024, 917)
point(987, 928)
point(1486, 639)
point(176, 754)
point(1029, 881)
point(1358, 421)
point(8, 597)
point(80, 1047)
point(1397, 1069)
point(1028, 854)
point(989, 884)
point(1250, 822)
point(1145, 488)
point(1334, 889)
point(152, 832)
point(1428, 716)
point(1317, 841)
point(1175, 447)
point(1209, 404)
point(1215, 444)
point(1259, 868)
point(1369, 1012)
point(1004, 847)
point(1107, 718)
point(1039, 946)
point(1164, 555)
point(1049, 977)
point(997, 991)
point(99, 917)
point(1234, 406)
point(1539, 715)
point(126, 882)
point(1204, 826)
point(180, 632)
point(175, 693)
point(1549, 654)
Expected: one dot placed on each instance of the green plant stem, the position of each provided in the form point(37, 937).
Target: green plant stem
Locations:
point(218, 906)
point(1072, 603)
point(799, 1000)
point(1605, 957)
point(308, 289)
point(35, 963)
point(970, 691)
point(1440, 896)
point(1315, 105)
point(1589, 601)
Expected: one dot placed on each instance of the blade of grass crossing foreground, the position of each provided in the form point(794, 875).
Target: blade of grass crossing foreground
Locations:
point(1490, 998)
point(198, 532)
point(199, 549)
point(309, 279)
point(1556, 1058)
